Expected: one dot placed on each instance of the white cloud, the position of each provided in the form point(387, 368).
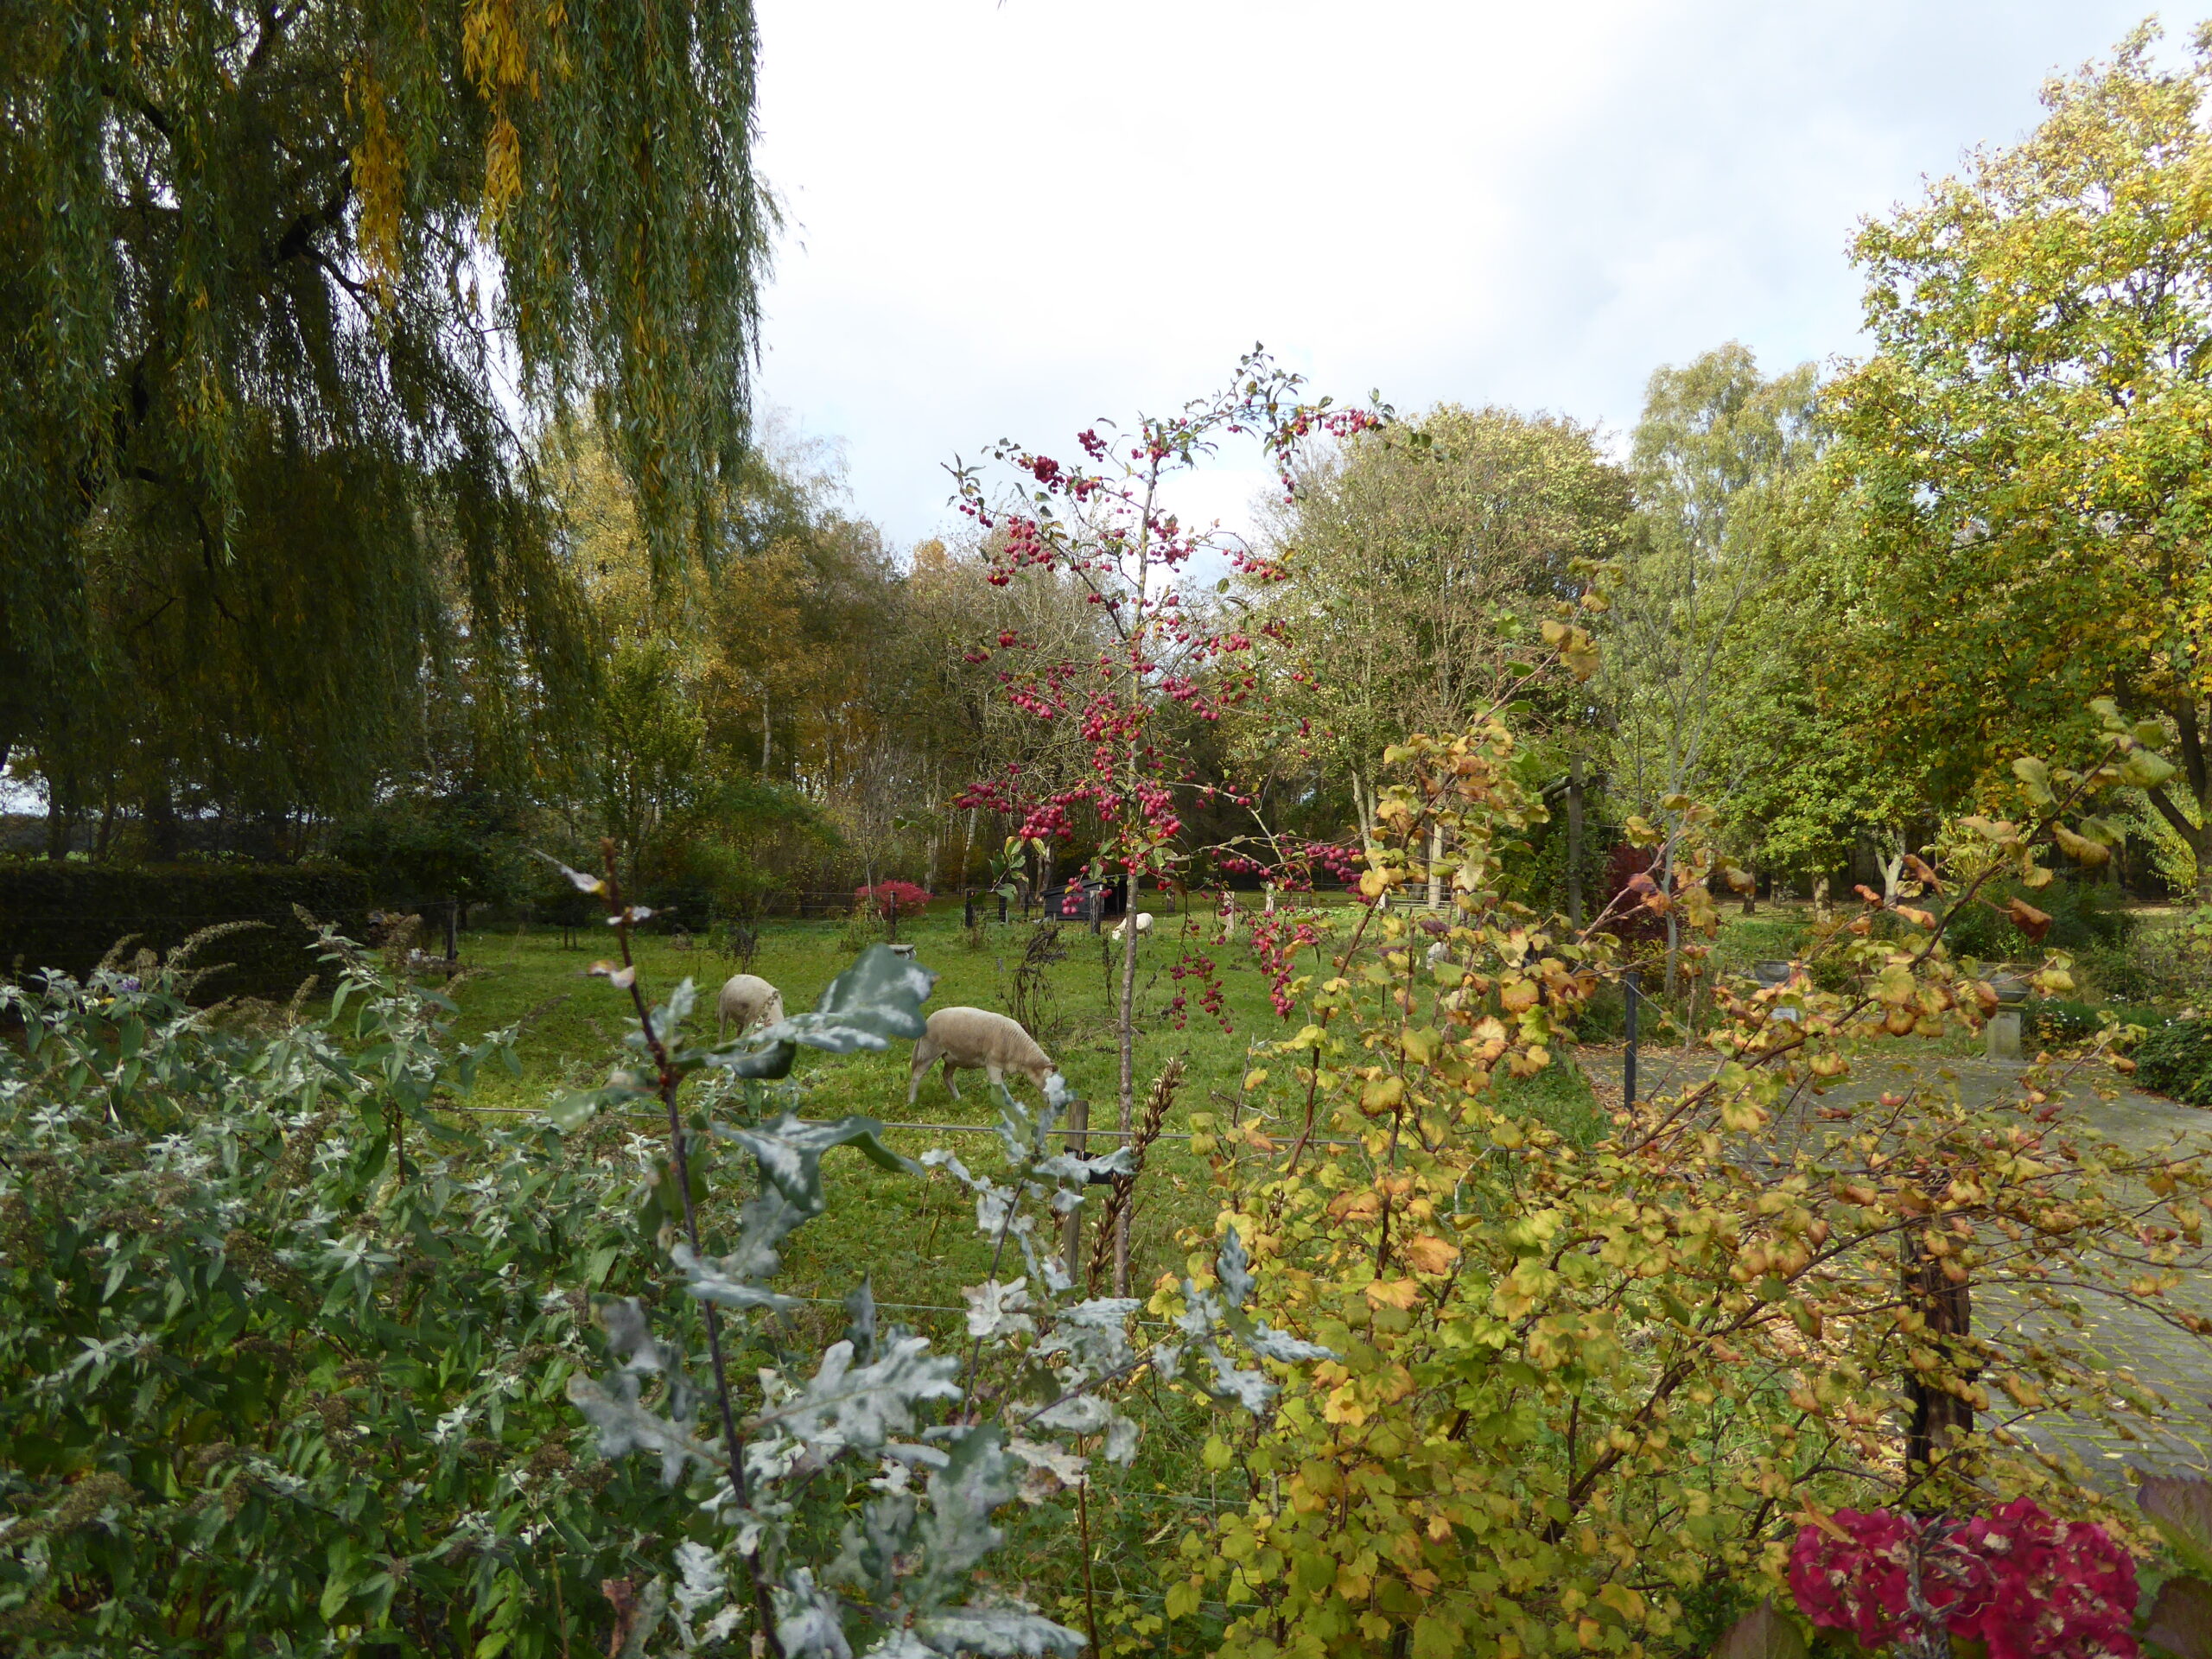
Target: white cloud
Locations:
point(1009, 219)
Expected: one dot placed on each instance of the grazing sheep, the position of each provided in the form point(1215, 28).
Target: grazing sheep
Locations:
point(1144, 926)
point(976, 1039)
point(749, 999)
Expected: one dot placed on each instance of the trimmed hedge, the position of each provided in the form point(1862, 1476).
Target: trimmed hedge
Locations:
point(2177, 1060)
point(68, 915)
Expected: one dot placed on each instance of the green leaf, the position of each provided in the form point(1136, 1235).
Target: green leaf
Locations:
point(863, 1406)
point(997, 1633)
point(2036, 775)
point(807, 1621)
point(877, 998)
point(624, 1426)
point(2145, 770)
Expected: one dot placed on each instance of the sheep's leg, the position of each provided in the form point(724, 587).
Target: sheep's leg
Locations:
point(995, 1073)
point(925, 1057)
point(949, 1082)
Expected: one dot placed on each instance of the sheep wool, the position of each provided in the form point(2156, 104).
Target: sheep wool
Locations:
point(747, 999)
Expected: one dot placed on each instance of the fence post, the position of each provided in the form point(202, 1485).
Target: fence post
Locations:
point(1001, 908)
point(894, 915)
point(1630, 993)
point(452, 930)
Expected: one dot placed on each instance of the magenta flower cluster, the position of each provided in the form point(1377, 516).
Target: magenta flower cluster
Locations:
point(2023, 1583)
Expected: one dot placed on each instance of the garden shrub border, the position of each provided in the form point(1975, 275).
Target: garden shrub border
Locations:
point(68, 916)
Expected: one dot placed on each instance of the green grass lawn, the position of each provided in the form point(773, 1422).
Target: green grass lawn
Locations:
point(915, 1237)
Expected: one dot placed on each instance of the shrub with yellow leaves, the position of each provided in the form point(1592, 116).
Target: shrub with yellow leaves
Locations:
point(1584, 1394)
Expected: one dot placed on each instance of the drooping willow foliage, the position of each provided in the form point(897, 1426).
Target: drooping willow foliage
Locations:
point(283, 289)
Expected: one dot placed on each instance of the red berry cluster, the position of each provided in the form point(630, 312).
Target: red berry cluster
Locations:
point(1192, 966)
point(1276, 940)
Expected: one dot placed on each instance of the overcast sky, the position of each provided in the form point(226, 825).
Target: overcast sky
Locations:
point(1006, 219)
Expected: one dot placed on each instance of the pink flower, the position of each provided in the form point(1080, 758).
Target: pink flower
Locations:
point(2058, 1590)
point(2024, 1584)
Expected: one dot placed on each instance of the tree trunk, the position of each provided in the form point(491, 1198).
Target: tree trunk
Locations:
point(1940, 1418)
point(1674, 922)
point(1362, 804)
point(1574, 842)
point(1751, 892)
point(1892, 865)
point(1435, 867)
point(764, 744)
point(1127, 1033)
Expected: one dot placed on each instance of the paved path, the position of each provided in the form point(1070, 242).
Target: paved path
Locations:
point(2168, 1361)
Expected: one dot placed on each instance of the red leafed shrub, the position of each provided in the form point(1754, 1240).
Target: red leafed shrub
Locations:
point(2023, 1583)
point(884, 895)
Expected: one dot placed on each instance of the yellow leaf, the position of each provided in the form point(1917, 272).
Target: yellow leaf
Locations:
point(1382, 1094)
point(1429, 1254)
point(1400, 1294)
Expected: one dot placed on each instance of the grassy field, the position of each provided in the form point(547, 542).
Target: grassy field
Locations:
point(915, 1237)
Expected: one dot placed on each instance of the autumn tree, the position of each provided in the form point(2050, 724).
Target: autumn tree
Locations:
point(262, 269)
point(2030, 446)
point(1413, 565)
point(1708, 456)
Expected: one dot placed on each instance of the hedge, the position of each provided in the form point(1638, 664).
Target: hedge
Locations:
point(67, 916)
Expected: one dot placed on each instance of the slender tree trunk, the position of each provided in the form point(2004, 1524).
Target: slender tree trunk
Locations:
point(1435, 866)
point(1574, 842)
point(1128, 1057)
point(1891, 864)
point(1362, 804)
point(766, 747)
point(1674, 922)
point(1940, 1418)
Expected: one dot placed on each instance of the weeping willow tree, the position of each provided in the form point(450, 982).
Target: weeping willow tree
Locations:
point(283, 288)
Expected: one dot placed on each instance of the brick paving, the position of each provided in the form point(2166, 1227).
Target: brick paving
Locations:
point(2167, 1361)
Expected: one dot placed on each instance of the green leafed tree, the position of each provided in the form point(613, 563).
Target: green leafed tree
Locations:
point(1710, 457)
point(2030, 444)
point(279, 283)
point(1420, 559)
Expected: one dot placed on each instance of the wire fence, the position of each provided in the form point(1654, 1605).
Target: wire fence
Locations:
point(933, 1129)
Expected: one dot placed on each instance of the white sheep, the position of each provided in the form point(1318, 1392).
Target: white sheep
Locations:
point(750, 1001)
point(1144, 926)
point(976, 1039)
